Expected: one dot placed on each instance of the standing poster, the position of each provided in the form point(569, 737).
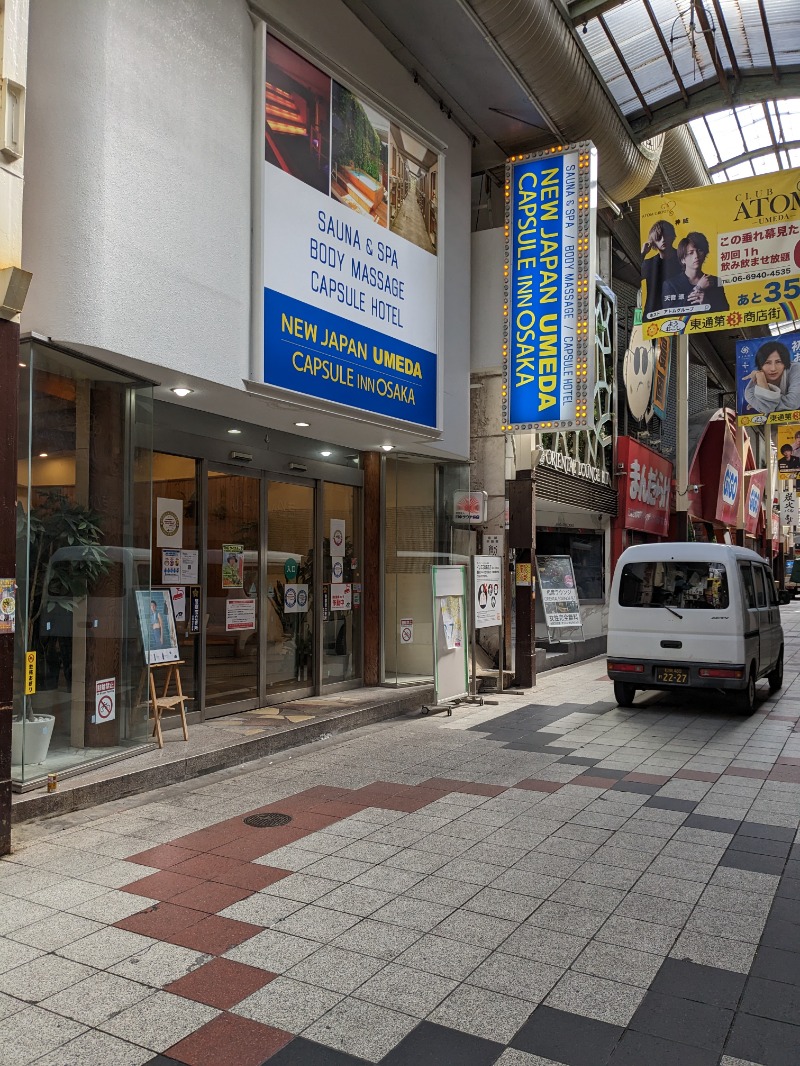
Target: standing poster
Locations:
point(451, 672)
point(233, 566)
point(558, 591)
point(723, 256)
point(157, 625)
point(169, 523)
point(488, 597)
point(351, 203)
point(768, 380)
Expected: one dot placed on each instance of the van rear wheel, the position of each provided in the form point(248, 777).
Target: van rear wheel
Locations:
point(746, 699)
point(624, 693)
point(775, 677)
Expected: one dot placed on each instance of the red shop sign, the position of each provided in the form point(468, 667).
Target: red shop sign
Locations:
point(644, 492)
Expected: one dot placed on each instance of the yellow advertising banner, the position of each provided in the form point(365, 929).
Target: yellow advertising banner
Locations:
point(721, 256)
point(788, 452)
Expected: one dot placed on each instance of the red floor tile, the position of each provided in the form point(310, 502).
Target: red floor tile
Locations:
point(162, 857)
point(212, 934)
point(163, 885)
point(161, 921)
point(229, 1040)
point(259, 842)
point(787, 774)
point(788, 762)
point(312, 822)
point(221, 983)
point(536, 785)
point(210, 867)
point(211, 896)
point(338, 808)
point(209, 839)
point(647, 779)
point(782, 717)
point(746, 771)
point(593, 782)
point(696, 775)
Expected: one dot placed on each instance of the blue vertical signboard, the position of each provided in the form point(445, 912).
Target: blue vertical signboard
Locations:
point(548, 343)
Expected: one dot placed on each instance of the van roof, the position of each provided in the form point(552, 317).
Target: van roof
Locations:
point(685, 551)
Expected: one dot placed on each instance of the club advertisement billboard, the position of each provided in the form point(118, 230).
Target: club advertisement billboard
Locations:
point(768, 380)
point(721, 256)
point(550, 255)
point(350, 223)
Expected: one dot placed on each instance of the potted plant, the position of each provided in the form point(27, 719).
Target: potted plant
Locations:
point(65, 559)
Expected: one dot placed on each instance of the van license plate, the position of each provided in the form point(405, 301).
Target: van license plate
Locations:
point(672, 675)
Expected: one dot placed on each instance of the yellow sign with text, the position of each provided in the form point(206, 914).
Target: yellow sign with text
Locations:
point(721, 256)
point(30, 673)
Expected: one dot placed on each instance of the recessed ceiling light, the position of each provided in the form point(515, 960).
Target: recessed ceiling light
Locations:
point(234, 432)
point(23, 365)
point(387, 447)
point(181, 392)
point(302, 425)
point(42, 455)
point(326, 454)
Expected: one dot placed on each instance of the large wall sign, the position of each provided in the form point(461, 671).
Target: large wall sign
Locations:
point(548, 343)
point(351, 203)
point(644, 493)
point(722, 256)
point(768, 380)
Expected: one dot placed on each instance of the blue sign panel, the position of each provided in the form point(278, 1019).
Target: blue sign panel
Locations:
point(315, 352)
point(549, 357)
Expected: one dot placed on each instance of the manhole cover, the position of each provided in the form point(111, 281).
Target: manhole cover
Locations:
point(267, 821)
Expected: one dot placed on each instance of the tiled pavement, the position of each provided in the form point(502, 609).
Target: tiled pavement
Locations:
point(553, 880)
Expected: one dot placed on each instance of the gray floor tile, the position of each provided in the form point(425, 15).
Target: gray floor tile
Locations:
point(594, 997)
point(18, 913)
point(159, 1021)
point(711, 921)
point(670, 888)
point(647, 909)
point(499, 904)
point(555, 948)
point(716, 951)
point(637, 967)
point(579, 921)
point(422, 862)
point(413, 913)
point(261, 909)
point(97, 1049)
point(734, 901)
point(355, 899)
point(302, 887)
point(287, 1004)
point(335, 969)
point(580, 894)
point(443, 957)
point(105, 948)
point(516, 976)
point(29, 1034)
point(442, 890)
point(632, 933)
point(527, 883)
point(158, 964)
point(96, 999)
point(12, 954)
point(9, 1005)
point(112, 906)
point(273, 951)
point(379, 939)
point(480, 929)
point(362, 1029)
point(406, 990)
point(318, 923)
point(483, 1013)
point(42, 977)
point(388, 878)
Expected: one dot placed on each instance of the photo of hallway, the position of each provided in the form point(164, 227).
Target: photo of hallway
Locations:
point(413, 183)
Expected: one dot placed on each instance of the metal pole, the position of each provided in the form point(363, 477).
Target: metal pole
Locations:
point(682, 441)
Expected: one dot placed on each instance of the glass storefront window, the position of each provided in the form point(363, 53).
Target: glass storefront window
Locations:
point(341, 624)
point(84, 468)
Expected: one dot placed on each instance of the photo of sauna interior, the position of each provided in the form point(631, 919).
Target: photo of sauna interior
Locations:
point(359, 155)
point(297, 103)
point(413, 187)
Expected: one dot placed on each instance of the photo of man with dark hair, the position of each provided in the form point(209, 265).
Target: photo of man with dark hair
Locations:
point(774, 385)
point(693, 288)
point(658, 268)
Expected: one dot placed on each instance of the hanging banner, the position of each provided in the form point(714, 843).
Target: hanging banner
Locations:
point(644, 488)
point(768, 380)
point(789, 451)
point(661, 378)
point(722, 256)
point(756, 482)
point(788, 503)
point(351, 203)
point(548, 341)
point(488, 583)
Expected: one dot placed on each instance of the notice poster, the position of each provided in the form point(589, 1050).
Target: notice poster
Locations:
point(8, 604)
point(487, 585)
point(194, 608)
point(406, 630)
point(169, 523)
point(337, 571)
point(453, 622)
point(233, 566)
point(170, 566)
point(105, 701)
point(239, 615)
point(337, 538)
point(558, 591)
point(189, 567)
point(341, 597)
point(157, 624)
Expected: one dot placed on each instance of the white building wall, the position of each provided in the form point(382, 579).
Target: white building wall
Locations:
point(139, 163)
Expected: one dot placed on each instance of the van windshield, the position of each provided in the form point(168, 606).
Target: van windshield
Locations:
point(694, 584)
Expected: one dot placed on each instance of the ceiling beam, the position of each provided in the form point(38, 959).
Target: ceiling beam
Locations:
point(770, 149)
point(581, 11)
point(753, 88)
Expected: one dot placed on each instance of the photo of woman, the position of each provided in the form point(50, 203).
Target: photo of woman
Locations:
point(774, 385)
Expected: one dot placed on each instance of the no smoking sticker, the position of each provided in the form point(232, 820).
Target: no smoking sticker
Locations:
point(406, 630)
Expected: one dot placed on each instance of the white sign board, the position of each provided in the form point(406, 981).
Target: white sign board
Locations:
point(169, 523)
point(469, 508)
point(295, 599)
point(406, 630)
point(788, 498)
point(488, 595)
point(189, 567)
point(341, 597)
point(170, 566)
point(105, 701)
point(493, 544)
point(337, 538)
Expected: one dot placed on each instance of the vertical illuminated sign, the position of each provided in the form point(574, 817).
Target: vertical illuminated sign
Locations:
point(548, 341)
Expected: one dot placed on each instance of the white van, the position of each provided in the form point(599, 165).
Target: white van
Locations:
point(693, 616)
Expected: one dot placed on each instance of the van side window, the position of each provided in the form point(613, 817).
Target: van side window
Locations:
point(746, 572)
point(769, 582)
point(761, 592)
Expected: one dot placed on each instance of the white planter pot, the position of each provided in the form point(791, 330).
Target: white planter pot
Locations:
point(37, 732)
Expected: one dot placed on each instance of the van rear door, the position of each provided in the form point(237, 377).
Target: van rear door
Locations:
point(751, 587)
